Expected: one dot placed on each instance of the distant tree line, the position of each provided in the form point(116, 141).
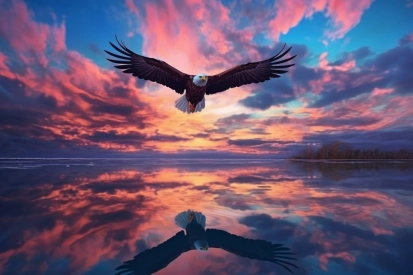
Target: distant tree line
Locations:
point(340, 150)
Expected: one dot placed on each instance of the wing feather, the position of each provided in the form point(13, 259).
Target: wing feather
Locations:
point(156, 258)
point(148, 68)
point(248, 73)
point(249, 248)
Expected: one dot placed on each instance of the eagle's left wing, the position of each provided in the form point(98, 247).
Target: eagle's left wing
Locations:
point(156, 258)
point(148, 68)
point(254, 72)
point(249, 248)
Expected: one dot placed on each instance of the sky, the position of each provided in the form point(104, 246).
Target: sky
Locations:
point(59, 96)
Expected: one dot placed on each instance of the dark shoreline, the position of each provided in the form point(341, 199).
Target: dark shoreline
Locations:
point(352, 160)
point(338, 150)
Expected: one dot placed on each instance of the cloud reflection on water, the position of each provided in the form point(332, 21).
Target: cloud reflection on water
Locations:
point(88, 216)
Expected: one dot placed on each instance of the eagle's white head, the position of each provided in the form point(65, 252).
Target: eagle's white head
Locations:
point(200, 80)
point(201, 245)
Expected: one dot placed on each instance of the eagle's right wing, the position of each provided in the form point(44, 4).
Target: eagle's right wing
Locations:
point(149, 68)
point(156, 258)
point(249, 248)
point(253, 72)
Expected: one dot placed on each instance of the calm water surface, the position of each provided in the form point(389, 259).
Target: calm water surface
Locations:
point(83, 216)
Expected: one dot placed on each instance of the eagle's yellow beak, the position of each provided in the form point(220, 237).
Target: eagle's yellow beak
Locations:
point(203, 77)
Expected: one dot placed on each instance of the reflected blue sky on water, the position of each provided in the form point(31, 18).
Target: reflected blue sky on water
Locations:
point(87, 216)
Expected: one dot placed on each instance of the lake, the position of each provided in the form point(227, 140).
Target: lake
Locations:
point(87, 216)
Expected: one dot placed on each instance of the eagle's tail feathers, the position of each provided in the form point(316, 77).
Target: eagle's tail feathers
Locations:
point(200, 105)
point(200, 218)
point(182, 104)
point(185, 217)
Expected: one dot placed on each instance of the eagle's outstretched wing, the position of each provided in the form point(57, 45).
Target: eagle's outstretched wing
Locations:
point(244, 74)
point(253, 249)
point(156, 258)
point(149, 68)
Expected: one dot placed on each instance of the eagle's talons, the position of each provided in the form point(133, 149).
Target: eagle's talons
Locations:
point(191, 107)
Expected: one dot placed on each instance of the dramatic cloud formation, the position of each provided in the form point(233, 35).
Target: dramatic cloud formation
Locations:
point(60, 97)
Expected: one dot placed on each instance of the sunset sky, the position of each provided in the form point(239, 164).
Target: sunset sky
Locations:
point(59, 96)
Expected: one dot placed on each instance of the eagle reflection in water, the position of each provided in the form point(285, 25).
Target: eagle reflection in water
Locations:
point(197, 238)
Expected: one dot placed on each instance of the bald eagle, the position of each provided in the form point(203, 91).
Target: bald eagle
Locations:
point(196, 86)
point(197, 238)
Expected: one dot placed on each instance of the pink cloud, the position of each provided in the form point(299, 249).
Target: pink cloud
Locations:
point(317, 5)
point(377, 91)
point(344, 15)
point(131, 6)
point(324, 64)
point(317, 85)
point(289, 14)
point(16, 20)
point(58, 34)
point(178, 37)
point(179, 32)
point(324, 258)
point(4, 70)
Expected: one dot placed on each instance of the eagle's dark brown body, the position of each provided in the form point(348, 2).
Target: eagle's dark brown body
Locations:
point(194, 94)
point(195, 231)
